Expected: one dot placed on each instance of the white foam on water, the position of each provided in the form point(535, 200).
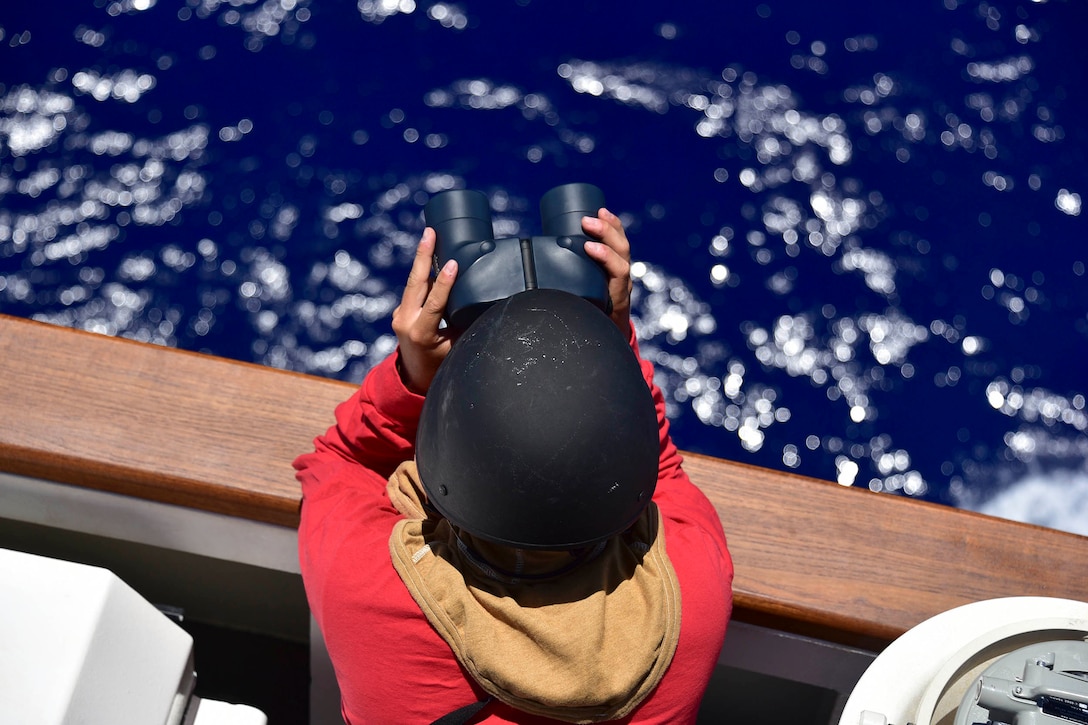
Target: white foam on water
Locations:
point(1057, 499)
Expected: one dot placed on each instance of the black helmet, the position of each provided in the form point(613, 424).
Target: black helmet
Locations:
point(539, 430)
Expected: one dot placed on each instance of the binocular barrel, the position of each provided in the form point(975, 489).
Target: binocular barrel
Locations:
point(459, 216)
point(562, 208)
point(463, 215)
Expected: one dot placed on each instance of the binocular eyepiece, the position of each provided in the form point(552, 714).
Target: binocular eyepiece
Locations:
point(490, 270)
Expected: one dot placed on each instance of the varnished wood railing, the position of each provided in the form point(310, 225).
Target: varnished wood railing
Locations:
point(811, 557)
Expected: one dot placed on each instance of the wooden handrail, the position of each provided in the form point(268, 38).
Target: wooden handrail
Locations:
point(160, 424)
point(811, 557)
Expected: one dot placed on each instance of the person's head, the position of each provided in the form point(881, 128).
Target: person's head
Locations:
point(539, 430)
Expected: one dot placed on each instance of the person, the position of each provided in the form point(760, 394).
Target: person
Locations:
point(422, 618)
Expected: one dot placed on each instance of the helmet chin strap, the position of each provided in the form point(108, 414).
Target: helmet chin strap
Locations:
point(574, 559)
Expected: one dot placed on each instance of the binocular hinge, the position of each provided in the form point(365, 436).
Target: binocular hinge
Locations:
point(528, 264)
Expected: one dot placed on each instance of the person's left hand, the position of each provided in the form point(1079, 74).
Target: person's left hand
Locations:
point(423, 343)
point(613, 253)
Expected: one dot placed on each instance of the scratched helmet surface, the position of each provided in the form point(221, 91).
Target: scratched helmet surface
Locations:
point(539, 430)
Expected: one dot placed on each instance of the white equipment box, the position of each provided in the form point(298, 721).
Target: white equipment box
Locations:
point(78, 645)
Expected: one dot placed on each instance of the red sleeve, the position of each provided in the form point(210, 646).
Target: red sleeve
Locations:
point(697, 548)
point(677, 497)
point(344, 478)
point(375, 429)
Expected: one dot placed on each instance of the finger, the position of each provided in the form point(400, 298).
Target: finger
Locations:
point(613, 254)
point(609, 218)
point(615, 266)
point(618, 271)
point(614, 235)
point(435, 304)
point(415, 291)
point(593, 227)
point(608, 228)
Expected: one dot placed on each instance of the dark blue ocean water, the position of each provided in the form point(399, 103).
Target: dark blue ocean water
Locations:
point(858, 227)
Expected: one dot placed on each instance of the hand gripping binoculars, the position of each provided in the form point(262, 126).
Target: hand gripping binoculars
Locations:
point(490, 270)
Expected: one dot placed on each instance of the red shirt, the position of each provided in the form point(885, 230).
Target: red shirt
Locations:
point(391, 665)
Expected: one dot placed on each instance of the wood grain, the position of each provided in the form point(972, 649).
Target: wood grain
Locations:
point(861, 568)
point(811, 557)
point(161, 424)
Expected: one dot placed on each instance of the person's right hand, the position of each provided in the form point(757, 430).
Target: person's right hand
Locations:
point(423, 344)
point(613, 253)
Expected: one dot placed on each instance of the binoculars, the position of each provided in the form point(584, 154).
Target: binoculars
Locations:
point(490, 270)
